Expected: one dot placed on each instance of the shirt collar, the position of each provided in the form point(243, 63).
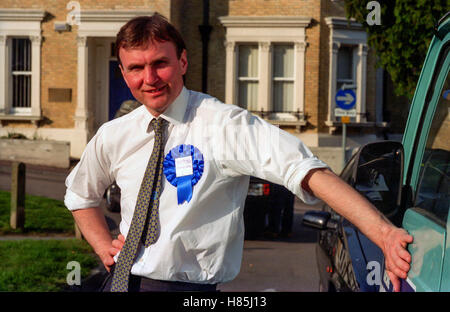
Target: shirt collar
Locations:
point(174, 114)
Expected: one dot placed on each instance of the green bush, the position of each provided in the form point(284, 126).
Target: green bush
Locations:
point(402, 39)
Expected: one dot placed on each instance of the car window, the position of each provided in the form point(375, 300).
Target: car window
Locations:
point(433, 193)
point(347, 172)
point(378, 176)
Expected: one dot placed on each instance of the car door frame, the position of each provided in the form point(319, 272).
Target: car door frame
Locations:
point(423, 107)
point(414, 137)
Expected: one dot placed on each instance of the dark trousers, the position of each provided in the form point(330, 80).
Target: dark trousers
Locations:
point(142, 284)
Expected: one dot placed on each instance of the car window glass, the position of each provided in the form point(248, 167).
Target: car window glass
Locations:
point(346, 174)
point(433, 192)
point(378, 176)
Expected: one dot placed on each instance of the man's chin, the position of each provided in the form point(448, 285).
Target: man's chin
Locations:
point(156, 110)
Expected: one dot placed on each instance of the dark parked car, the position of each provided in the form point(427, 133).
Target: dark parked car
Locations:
point(112, 196)
point(409, 183)
point(256, 208)
point(343, 252)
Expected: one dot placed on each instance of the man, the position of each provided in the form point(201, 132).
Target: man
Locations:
point(183, 181)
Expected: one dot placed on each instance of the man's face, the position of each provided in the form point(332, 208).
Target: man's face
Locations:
point(154, 74)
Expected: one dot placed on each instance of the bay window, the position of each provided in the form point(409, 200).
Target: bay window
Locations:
point(265, 65)
point(283, 78)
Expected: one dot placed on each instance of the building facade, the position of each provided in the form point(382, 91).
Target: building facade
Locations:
point(284, 60)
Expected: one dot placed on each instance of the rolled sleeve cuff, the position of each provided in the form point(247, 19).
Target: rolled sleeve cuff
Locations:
point(75, 202)
point(295, 181)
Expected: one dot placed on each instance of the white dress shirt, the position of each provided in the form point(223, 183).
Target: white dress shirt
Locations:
point(200, 241)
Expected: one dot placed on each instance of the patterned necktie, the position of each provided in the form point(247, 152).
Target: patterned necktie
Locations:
point(140, 228)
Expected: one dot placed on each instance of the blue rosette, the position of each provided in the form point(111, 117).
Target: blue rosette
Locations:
point(184, 183)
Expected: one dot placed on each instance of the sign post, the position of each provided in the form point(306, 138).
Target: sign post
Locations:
point(17, 217)
point(345, 108)
point(344, 120)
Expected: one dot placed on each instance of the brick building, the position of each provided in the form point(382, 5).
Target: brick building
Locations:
point(283, 59)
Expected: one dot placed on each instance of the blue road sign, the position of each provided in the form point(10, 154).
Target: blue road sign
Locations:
point(446, 95)
point(345, 99)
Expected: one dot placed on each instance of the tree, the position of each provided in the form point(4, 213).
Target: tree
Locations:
point(402, 39)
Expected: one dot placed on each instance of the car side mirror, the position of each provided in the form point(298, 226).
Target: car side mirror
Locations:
point(319, 220)
point(378, 175)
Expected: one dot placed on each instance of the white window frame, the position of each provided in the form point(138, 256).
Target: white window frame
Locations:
point(351, 84)
point(18, 110)
point(95, 24)
point(15, 23)
point(282, 79)
point(244, 79)
point(267, 31)
point(349, 33)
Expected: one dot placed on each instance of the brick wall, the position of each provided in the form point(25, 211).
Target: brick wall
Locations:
point(59, 52)
point(307, 8)
point(217, 52)
point(190, 19)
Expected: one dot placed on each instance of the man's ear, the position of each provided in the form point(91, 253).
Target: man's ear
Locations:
point(123, 74)
point(183, 61)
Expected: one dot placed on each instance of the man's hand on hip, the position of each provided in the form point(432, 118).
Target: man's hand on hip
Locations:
point(108, 257)
point(92, 224)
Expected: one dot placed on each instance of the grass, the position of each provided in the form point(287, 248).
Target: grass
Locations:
point(41, 265)
point(42, 216)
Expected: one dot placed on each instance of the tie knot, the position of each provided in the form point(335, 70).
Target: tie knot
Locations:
point(158, 124)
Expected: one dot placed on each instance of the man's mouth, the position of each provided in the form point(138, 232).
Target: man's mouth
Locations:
point(155, 90)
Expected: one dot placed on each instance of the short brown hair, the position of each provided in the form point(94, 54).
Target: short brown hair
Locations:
point(142, 30)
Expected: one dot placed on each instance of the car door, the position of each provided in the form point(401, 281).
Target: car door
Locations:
point(427, 153)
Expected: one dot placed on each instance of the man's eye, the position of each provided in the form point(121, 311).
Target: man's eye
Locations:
point(136, 68)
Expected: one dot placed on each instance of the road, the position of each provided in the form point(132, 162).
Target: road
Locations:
point(267, 265)
point(280, 264)
point(40, 180)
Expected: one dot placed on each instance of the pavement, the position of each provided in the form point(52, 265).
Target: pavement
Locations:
point(275, 264)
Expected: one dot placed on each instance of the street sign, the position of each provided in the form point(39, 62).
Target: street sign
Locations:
point(345, 99)
point(339, 112)
point(345, 108)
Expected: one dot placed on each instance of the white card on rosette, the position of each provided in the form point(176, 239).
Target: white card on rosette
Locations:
point(183, 166)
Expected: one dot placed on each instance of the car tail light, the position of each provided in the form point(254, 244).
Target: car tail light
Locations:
point(259, 189)
point(266, 189)
point(255, 189)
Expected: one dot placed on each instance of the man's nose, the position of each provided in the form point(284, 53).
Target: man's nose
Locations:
point(150, 75)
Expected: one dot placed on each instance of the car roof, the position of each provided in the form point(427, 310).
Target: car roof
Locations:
point(442, 26)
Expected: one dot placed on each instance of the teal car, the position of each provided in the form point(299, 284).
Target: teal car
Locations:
point(425, 191)
point(409, 183)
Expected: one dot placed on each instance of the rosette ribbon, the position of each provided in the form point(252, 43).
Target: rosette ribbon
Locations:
point(184, 184)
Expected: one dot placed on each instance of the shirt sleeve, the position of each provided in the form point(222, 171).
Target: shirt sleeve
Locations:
point(88, 181)
point(257, 148)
